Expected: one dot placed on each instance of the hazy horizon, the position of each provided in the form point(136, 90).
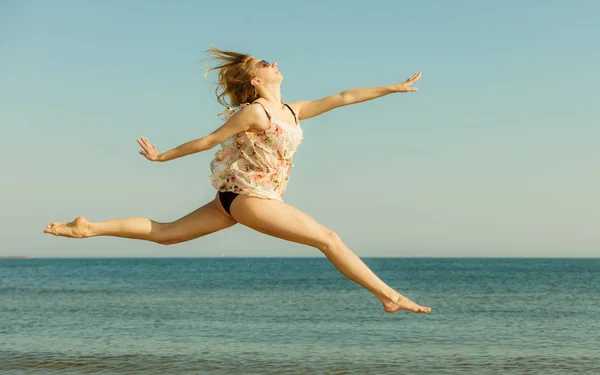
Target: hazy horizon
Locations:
point(317, 256)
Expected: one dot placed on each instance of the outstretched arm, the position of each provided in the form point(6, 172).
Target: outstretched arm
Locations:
point(311, 108)
point(246, 119)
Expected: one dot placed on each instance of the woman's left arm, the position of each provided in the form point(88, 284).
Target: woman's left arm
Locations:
point(311, 108)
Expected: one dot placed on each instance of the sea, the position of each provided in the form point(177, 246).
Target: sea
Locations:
point(297, 316)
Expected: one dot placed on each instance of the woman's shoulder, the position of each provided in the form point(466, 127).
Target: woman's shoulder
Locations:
point(254, 115)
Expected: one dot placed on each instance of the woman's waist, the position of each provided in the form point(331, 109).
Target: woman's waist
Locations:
point(263, 170)
point(256, 162)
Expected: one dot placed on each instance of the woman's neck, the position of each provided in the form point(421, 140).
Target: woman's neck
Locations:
point(271, 94)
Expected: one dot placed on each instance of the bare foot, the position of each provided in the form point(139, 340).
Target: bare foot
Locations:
point(403, 303)
point(78, 228)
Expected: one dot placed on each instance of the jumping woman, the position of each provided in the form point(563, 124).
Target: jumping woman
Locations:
point(251, 170)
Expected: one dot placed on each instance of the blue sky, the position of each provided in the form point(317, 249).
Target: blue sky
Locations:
point(496, 155)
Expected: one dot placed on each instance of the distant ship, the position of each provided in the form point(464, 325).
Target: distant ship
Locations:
point(15, 256)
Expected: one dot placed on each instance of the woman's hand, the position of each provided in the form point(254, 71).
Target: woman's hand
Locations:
point(406, 85)
point(148, 150)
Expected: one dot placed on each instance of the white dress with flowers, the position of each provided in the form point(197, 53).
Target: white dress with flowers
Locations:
point(257, 164)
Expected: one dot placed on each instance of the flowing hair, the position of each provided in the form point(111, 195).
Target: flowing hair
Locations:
point(233, 87)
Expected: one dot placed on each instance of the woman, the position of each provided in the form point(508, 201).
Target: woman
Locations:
point(251, 170)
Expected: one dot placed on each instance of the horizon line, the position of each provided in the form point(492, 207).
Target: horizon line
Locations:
point(29, 257)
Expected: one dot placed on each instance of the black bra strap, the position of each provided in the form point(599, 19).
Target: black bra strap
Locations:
point(293, 113)
point(263, 107)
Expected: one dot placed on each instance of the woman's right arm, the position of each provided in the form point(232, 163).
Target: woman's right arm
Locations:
point(246, 119)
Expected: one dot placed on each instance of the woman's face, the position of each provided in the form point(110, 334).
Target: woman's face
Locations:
point(267, 72)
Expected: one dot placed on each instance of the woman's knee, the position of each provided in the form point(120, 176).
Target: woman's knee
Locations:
point(330, 241)
point(166, 241)
point(162, 235)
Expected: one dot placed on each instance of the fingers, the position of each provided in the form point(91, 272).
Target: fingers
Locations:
point(405, 86)
point(147, 148)
point(414, 78)
point(145, 144)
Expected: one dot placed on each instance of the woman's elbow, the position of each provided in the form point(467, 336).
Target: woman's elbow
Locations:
point(208, 142)
point(344, 98)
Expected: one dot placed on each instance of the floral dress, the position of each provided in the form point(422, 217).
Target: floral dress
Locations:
point(257, 164)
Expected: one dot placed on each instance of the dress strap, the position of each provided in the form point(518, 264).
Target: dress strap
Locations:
point(293, 113)
point(263, 107)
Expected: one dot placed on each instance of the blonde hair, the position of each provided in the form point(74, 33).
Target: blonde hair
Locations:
point(233, 87)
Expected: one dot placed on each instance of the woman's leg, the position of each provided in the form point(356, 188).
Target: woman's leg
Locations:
point(205, 220)
point(284, 221)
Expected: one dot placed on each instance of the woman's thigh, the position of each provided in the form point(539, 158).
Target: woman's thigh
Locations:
point(281, 220)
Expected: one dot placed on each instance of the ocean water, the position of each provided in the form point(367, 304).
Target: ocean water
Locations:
point(297, 316)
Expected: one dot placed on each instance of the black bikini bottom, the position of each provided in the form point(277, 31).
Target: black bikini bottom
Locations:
point(226, 198)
